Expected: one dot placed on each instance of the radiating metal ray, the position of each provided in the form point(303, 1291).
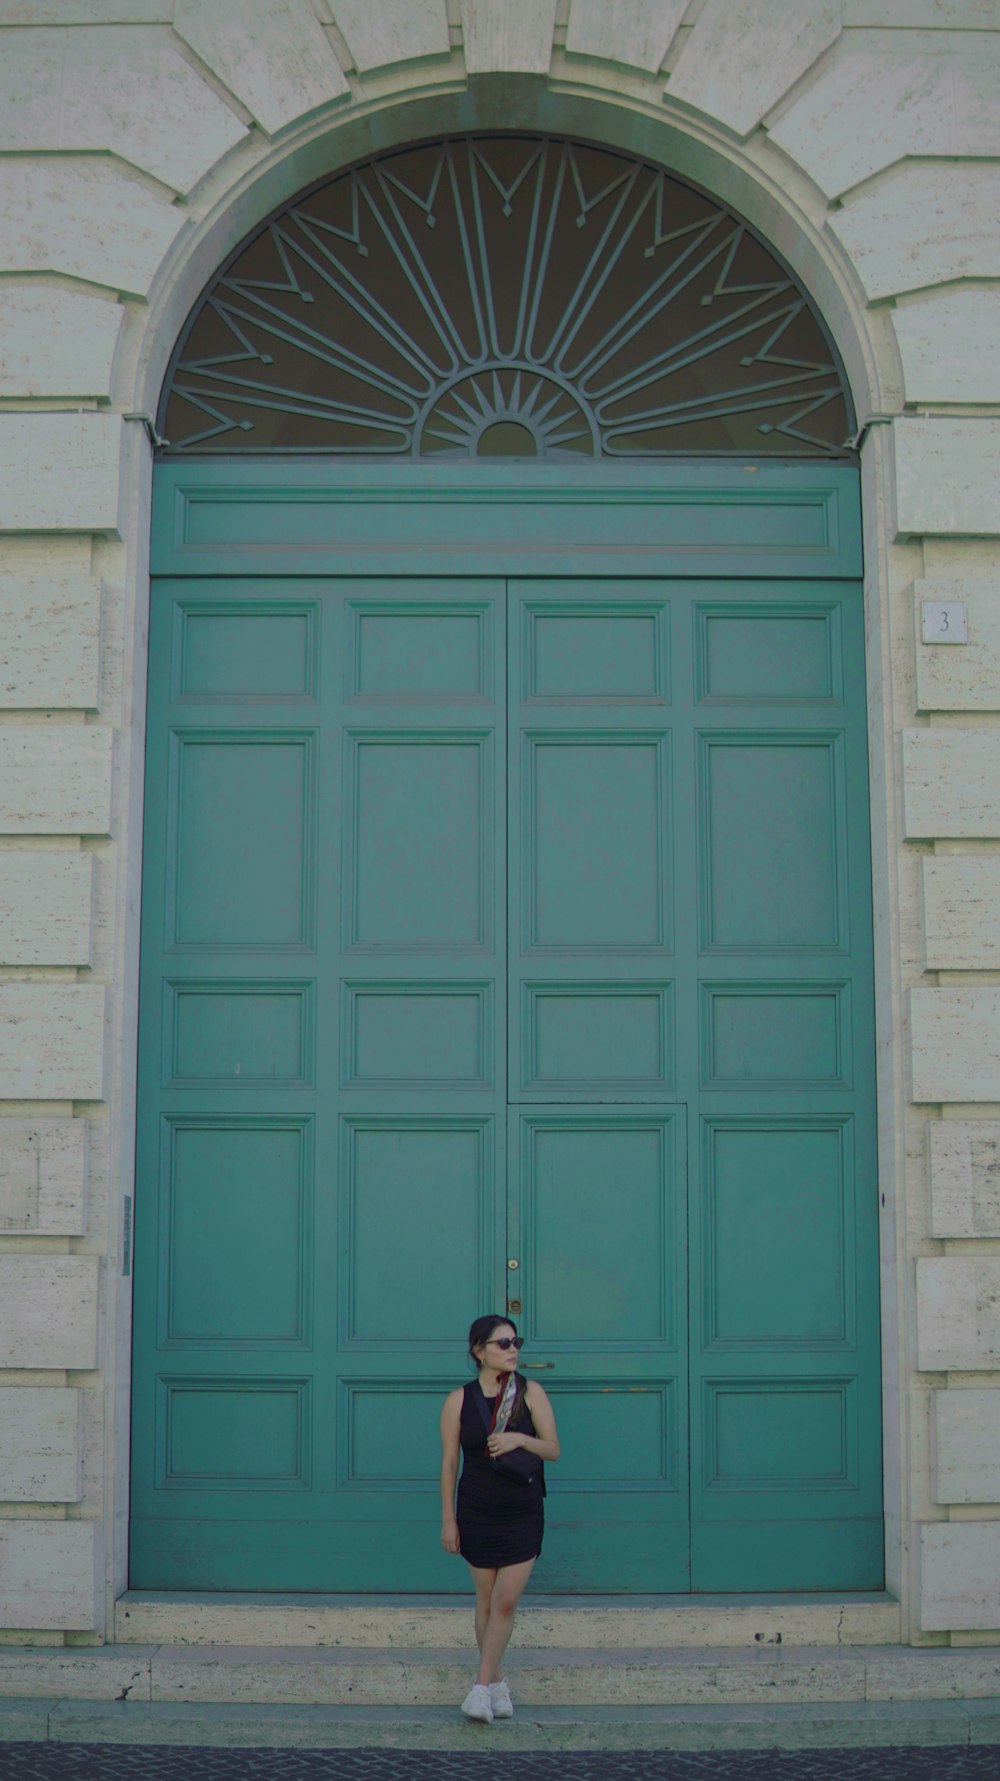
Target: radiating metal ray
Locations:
point(651, 307)
point(432, 297)
point(358, 297)
point(309, 342)
point(701, 346)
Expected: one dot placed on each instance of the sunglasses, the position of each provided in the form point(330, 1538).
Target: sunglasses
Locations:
point(506, 1342)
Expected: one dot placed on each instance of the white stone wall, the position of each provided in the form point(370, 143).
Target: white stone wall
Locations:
point(139, 140)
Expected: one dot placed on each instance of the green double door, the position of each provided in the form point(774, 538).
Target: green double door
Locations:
point(506, 943)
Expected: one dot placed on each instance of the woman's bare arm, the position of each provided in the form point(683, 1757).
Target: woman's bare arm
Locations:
point(451, 1417)
point(545, 1442)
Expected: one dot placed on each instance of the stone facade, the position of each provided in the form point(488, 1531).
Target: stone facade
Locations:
point(139, 141)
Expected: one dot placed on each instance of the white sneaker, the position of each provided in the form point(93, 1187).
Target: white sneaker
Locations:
point(476, 1704)
point(500, 1701)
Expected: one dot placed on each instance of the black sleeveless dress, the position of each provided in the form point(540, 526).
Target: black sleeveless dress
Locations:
point(500, 1520)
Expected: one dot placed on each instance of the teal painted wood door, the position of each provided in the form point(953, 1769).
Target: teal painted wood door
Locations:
point(506, 901)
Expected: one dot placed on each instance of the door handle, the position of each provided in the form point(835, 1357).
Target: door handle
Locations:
point(536, 1365)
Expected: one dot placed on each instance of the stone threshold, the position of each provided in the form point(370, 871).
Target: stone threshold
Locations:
point(149, 1617)
point(747, 1727)
point(540, 1677)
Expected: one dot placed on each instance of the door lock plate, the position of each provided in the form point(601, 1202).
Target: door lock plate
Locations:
point(513, 1304)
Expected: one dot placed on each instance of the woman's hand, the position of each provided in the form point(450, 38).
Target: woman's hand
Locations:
point(503, 1442)
point(449, 1536)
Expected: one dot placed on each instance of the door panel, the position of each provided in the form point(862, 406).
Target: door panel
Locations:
point(245, 880)
point(607, 1041)
point(597, 1219)
point(234, 1263)
point(591, 840)
point(598, 1213)
point(321, 1154)
point(785, 1398)
point(770, 841)
point(419, 834)
point(594, 841)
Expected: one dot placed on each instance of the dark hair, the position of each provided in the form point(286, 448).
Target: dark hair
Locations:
point(480, 1331)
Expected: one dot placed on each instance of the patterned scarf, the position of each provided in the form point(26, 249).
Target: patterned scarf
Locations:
point(503, 1406)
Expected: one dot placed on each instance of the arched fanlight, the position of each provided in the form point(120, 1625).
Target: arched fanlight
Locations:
point(505, 296)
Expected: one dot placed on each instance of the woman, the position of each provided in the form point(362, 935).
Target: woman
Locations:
point(498, 1526)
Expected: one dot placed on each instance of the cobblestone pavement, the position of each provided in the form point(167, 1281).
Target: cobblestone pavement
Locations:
point(82, 1762)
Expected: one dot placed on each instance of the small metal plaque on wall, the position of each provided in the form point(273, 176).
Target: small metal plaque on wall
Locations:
point(944, 621)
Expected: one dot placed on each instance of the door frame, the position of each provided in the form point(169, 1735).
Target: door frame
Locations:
point(669, 518)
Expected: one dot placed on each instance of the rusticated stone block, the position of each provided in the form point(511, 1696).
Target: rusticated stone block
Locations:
point(60, 472)
point(743, 55)
point(273, 54)
point(49, 1313)
point(395, 31)
point(43, 1177)
point(52, 1041)
point(637, 33)
point(55, 779)
point(39, 1444)
point(922, 223)
point(949, 342)
point(962, 912)
point(935, 96)
point(958, 1313)
point(49, 641)
point(122, 88)
point(960, 1576)
point(965, 1178)
point(514, 37)
point(955, 1044)
point(85, 12)
point(49, 1574)
point(967, 1446)
point(951, 783)
point(931, 15)
point(948, 472)
point(88, 217)
point(964, 676)
point(45, 908)
point(55, 342)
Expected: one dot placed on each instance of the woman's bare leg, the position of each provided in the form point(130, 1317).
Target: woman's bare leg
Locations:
point(484, 1581)
point(504, 1597)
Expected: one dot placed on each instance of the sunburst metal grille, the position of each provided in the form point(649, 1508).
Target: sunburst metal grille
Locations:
point(505, 296)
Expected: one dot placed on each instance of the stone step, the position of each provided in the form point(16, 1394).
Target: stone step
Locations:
point(585, 1622)
point(425, 1677)
point(835, 1725)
